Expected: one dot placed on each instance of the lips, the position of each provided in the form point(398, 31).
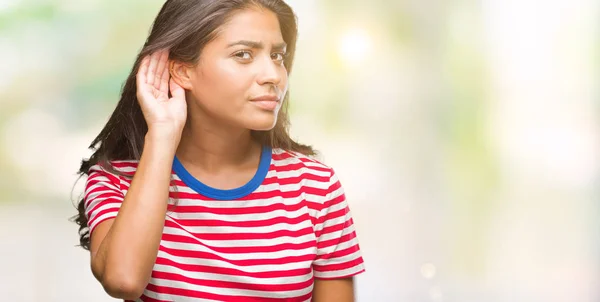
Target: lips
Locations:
point(266, 98)
point(266, 102)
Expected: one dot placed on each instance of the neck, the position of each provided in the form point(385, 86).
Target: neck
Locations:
point(213, 147)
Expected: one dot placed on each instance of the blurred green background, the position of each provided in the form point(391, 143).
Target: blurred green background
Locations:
point(466, 134)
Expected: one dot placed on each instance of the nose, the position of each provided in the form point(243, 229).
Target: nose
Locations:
point(270, 73)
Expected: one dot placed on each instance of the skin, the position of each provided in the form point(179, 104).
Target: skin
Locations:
point(207, 124)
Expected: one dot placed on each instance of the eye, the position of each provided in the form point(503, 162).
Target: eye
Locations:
point(244, 55)
point(278, 56)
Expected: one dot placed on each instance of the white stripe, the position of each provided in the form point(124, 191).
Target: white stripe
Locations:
point(239, 217)
point(333, 221)
point(296, 173)
point(318, 199)
point(295, 161)
point(92, 216)
point(341, 273)
point(247, 229)
point(341, 246)
point(231, 278)
point(304, 183)
point(235, 204)
point(231, 291)
point(126, 169)
point(265, 188)
point(224, 264)
point(245, 242)
point(95, 222)
point(94, 199)
point(339, 260)
point(251, 203)
point(294, 187)
point(338, 234)
point(104, 183)
point(239, 256)
point(171, 297)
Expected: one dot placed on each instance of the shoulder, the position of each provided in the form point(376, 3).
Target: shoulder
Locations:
point(317, 178)
point(321, 188)
point(285, 160)
point(114, 168)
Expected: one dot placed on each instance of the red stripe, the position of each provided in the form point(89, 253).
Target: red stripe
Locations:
point(241, 249)
point(246, 262)
point(110, 197)
point(93, 177)
point(296, 167)
point(125, 164)
point(93, 182)
point(231, 271)
point(335, 186)
point(295, 179)
point(245, 236)
point(332, 202)
point(97, 223)
point(101, 190)
point(101, 213)
point(287, 155)
point(281, 156)
point(100, 171)
point(205, 295)
point(233, 285)
point(335, 241)
point(101, 204)
point(334, 228)
point(332, 215)
point(341, 276)
point(259, 195)
point(279, 206)
point(339, 266)
point(148, 299)
point(244, 224)
point(341, 253)
point(278, 179)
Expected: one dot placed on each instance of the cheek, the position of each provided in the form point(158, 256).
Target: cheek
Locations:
point(283, 85)
point(226, 74)
point(221, 82)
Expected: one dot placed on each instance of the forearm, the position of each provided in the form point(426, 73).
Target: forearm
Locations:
point(128, 252)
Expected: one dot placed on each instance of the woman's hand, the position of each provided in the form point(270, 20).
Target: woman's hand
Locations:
point(163, 115)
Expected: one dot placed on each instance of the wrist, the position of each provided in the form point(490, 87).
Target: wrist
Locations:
point(163, 138)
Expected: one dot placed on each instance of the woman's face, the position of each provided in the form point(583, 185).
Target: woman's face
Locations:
point(240, 78)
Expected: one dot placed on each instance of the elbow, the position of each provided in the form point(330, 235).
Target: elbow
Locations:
point(119, 282)
point(123, 287)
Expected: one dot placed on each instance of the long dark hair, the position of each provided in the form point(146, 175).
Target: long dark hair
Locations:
point(184, 27)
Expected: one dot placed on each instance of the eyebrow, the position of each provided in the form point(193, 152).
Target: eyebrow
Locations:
point(257, 45)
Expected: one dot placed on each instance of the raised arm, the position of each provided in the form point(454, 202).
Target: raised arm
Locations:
point(124, 249)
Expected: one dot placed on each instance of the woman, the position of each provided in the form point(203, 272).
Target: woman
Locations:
point(195, 191)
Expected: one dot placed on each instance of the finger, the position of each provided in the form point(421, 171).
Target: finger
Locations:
point(142, 70)
point(152, 68)
point(162, 62)
point(176, 91)
point(164, 80)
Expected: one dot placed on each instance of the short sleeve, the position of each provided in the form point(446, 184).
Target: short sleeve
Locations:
point(103, 196)
point(338, 252)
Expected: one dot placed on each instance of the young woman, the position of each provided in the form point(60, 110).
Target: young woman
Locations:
point(195, 191)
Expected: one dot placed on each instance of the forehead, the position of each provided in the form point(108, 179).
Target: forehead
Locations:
point(254, 24)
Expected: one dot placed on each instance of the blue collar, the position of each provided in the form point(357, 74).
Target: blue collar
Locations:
point(231, 194)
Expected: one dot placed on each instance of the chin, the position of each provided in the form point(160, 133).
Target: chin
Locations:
point(262, 123)
point(262, 126)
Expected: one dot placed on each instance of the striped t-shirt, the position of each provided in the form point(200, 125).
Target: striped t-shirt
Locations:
point(264, 241)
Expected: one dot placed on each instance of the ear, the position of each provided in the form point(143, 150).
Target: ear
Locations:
point(181, 74)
